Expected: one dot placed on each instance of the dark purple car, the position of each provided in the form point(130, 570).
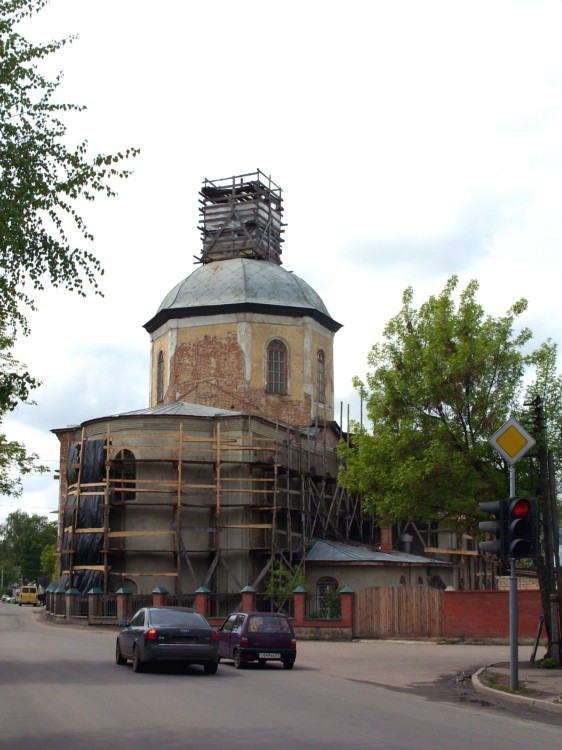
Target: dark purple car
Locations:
point(257, 637)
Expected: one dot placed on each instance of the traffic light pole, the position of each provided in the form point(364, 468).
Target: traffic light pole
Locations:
point(513, 610)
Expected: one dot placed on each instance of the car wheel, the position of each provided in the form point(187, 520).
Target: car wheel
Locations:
point(288, 664)
point(119, 659)
point(138, 666)
point(237, 660)
point(262, 662)
point(211, 667)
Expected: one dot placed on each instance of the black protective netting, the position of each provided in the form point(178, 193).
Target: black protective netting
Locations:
point(87, 547)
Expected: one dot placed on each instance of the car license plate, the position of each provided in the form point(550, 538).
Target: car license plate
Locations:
point(269, 655)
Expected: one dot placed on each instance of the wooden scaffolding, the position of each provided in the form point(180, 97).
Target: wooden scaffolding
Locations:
point(181, 505)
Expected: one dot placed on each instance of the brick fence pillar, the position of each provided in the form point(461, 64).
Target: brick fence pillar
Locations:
point(347, 596)
point(124, 598)
point(60, 603)
point(203, 601)
point(72, 600)
point(248, 599)
point(159, 595)
point(299, 610)
point(94, 603)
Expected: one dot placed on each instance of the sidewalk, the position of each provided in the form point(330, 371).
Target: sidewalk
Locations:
point(541, 688)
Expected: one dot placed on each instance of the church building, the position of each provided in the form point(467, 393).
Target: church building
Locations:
point(233, 464)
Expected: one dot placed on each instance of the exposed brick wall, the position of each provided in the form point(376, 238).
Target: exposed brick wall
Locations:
point(212, 371)
point(386, 539)
point(503, 583)
point(485, 614)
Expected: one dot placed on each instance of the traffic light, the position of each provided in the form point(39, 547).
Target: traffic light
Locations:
point(497, 528)
point(523, 525)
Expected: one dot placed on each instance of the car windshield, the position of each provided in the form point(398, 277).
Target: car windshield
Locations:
point(177, 617)
point(270, 624)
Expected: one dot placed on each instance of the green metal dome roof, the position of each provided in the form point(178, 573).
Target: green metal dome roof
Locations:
point(242, 284)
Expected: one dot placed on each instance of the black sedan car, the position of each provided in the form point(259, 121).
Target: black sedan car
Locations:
point(171, 634)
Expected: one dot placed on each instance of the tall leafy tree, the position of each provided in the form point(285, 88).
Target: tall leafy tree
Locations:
point(15, 387)
point(25, 538)
point(443, 380)
point(43, 179)
point(546, 385)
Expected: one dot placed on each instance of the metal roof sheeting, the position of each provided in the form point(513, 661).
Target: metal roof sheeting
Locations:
point(180, 409)
point(329, 551)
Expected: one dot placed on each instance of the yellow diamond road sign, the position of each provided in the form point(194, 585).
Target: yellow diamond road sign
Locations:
point(512, 441)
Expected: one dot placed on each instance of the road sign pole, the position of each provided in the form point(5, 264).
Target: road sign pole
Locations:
point(513, 608)
point(512, 441)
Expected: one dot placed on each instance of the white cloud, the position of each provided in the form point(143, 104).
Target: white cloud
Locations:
point(412, 141)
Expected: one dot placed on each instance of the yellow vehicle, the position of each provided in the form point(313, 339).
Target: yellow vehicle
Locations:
point(29, 595)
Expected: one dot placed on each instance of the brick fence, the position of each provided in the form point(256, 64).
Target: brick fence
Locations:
point(97, 608)
point(466, 614)
point(485, 614)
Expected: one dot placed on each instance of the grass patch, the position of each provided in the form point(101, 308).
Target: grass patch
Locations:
point(548, 663)
point(501, 683)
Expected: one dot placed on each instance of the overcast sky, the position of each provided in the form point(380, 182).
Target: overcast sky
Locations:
point(412, 140)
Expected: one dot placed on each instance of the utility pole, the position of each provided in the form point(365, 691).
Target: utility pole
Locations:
point(551, 571)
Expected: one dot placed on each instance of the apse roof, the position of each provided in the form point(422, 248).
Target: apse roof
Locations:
point(242, 284)
point(180, 409)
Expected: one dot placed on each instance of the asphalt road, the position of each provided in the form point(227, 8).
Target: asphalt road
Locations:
point(61, 689)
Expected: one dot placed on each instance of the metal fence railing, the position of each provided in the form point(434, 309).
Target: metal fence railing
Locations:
point(221, 605)
point(323, 606)
point(185, 600)
point(266, 603)
point(83, 605)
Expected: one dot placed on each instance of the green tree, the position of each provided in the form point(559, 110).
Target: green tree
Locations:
point(43, 180)
point(49, 561)
point(281, 582)
point(24, 538)
point(445, 378)
point(15, 387)
point(547, 386)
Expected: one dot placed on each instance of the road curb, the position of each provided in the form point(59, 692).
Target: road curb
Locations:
point(512, 698)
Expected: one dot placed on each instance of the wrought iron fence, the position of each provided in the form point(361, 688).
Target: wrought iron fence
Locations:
point(221, 605)
point(323, 606)
point(108, 605)
point(140, 600)
point(266, 603)
point(83, 605)
point(185, 600)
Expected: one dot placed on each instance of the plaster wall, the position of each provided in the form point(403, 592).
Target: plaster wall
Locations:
point(360, 577)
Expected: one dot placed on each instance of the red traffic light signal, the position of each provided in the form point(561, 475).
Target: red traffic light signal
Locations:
point(523, 527)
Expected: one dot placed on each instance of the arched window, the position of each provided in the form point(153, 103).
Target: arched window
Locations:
point(276, 367)
point(327, 585)
point(321, 377)
point(402, 580)
point(160, 378)
point(123, 476)
point(420, 581)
